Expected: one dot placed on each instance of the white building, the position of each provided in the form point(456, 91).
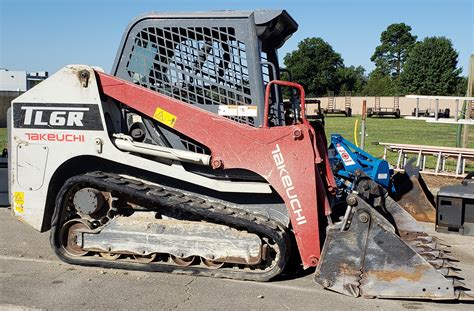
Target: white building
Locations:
point(14, 83)
point(19, 81)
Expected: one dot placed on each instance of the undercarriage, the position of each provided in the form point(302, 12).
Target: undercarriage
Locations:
point(114, 221)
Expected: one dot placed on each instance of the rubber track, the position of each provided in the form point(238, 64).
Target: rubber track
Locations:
point(165, 197)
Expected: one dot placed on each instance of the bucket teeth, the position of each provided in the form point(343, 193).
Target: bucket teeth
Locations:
point(439, 259)
point(463, 296)
point(439, 263)
point(423, 248)
point(451, 272)
point(423, 238)
point(425, 242)
point(456, 282)
point(437, 254)
point(431, 246)
point(416, 237)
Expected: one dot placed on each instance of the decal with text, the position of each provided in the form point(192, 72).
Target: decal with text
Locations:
point(84, 117)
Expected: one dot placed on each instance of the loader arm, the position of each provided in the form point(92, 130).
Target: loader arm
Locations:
point(285, 155)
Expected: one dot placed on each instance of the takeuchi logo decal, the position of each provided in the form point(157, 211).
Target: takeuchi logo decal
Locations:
point(63, 137)
point(84, 117)
point(287, 182)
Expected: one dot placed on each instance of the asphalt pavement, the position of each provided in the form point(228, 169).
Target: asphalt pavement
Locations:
point(32, 277)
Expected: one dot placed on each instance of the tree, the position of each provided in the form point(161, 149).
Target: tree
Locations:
point(461, 89)
point(396, 41)
point(380, 84)
point(431, 68)
point(352, 79)
point(315, 64)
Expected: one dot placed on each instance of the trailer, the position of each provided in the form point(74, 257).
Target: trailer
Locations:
point(332, 107)
point(377, 110)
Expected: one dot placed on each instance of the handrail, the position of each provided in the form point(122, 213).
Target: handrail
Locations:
point(267, 99)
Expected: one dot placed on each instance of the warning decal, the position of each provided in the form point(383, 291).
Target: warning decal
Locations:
point(344, 155)
point(164, 117)
point(237, 111)
point(19, 201)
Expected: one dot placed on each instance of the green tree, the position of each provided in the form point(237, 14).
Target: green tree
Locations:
point(380, 84)
point(315, 64)
point(396, 41)
point(461, 89)
point(352, 79)
point(431, 68)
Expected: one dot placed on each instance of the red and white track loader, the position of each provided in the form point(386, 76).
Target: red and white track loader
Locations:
point(184, 159)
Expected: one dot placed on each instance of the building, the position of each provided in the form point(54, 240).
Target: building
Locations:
point(14, 83)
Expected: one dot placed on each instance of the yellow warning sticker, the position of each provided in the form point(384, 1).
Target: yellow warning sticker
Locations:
point(164, 117)
point(19, 202)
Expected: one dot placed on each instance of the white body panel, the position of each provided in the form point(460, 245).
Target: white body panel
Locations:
point(47, 148)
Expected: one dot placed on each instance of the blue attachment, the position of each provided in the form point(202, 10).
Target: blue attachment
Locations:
point(346, 158)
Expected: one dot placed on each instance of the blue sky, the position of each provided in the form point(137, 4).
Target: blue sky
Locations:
point(49, 34)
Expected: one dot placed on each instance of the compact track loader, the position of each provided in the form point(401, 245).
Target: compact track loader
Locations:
point(185, 160)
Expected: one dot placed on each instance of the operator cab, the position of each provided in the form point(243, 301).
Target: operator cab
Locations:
point(220, 61)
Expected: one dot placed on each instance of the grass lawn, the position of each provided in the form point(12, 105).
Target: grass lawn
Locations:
point(391, 130)
point(3, 138)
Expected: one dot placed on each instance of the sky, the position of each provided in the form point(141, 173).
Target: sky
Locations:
point(46, 35)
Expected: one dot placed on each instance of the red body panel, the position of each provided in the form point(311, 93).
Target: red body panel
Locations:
point(286, 156)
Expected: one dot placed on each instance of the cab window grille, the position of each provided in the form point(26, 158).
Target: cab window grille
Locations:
point(204, 66)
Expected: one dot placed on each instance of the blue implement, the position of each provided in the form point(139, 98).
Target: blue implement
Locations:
point(346, 158)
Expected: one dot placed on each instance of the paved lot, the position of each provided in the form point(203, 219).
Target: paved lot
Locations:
point(32, 277)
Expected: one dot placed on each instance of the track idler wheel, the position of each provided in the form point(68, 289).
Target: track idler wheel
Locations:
point(68, 236)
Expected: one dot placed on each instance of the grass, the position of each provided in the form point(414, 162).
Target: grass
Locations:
point(3, 138)
point(389, 130)
point(403, 131)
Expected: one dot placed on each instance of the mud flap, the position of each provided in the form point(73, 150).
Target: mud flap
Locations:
point(364, 256)
point(413, 194)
